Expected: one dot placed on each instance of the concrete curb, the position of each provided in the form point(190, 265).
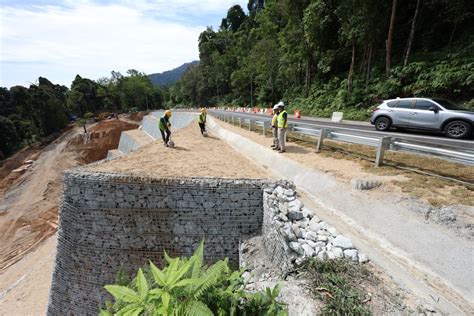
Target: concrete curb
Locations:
point(416, 246)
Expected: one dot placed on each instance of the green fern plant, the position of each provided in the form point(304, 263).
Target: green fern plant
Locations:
point(186, 287)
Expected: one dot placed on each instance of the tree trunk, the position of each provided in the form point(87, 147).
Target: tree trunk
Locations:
point(351, 68)
point(251, 90)
point(307, 82)
point(452, 33)
point(369, 60)
point(363, 64)
point(412, 33)
point(388, 42)
point(85, 130)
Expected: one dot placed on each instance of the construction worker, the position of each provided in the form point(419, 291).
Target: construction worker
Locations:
point(164, 125)
point(202, 120)
point(282, 126)
point(275, 127)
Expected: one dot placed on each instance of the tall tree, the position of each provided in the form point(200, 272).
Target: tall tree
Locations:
point(255, 5)
point(9, 140)
point(388, 42)
point(235, 17)
point(412, 33)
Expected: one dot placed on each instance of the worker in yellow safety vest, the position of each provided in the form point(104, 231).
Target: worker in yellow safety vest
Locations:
point(275, 127)
point(282, 121)
point(164, 125)
point(202, 120)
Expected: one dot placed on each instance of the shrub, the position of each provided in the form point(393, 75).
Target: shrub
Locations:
point(338, 279)
point(186, 287)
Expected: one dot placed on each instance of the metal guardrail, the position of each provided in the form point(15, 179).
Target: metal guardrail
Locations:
point(381, 143)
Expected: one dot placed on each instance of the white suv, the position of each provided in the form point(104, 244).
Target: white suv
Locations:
point(430, 114)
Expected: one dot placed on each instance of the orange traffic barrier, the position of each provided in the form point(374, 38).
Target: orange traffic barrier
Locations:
point(297, 114)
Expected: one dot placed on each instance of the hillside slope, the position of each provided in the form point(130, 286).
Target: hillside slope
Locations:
point(169, 77)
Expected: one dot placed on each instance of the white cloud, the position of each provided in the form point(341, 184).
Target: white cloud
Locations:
point(92, 39)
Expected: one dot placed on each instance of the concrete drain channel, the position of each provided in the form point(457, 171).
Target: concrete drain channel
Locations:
point(148, 132)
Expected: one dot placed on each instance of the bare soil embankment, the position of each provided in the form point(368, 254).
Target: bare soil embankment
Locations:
point(29, 192)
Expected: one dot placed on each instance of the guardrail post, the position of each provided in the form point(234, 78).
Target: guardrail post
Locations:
point(264, 128)
point(240, 122)
point(251, 125)
point(291, 128)
point(384, 144)
point(322, 135)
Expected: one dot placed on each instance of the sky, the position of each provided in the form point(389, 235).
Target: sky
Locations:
point(59, 39)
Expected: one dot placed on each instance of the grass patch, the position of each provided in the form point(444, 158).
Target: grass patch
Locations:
point(336, 283)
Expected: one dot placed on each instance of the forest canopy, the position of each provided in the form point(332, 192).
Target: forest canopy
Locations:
point(326, 55)
point(28, 114)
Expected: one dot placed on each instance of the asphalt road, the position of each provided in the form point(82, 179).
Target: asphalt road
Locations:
point(366, 129)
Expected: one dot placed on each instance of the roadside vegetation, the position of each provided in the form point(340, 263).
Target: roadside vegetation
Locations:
point(187, 287)
point(337, 283)
point(321, 56)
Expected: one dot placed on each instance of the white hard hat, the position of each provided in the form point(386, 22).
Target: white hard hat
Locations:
point(281, 104)
point(275, 107)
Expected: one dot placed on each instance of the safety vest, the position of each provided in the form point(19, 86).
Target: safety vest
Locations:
point(164, 120)
point(202, 118)
point(281, 120)
point(274, 120)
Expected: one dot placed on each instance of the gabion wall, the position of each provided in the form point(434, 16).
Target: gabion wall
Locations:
point(293, 234)
point(108, 221)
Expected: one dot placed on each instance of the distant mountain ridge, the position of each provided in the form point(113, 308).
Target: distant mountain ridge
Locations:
point(169, 77)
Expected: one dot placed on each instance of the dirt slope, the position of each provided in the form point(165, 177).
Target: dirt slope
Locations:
point(29, 198)
point(29, 209)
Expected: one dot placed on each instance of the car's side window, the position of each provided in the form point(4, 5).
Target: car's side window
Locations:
point(424, 105)
point(392, 104)
point(405, 104)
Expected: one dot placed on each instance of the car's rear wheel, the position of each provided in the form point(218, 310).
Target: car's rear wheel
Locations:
point(458, 129)
point(383, 123)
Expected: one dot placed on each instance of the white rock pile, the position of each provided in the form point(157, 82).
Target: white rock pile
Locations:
point(306, 235)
